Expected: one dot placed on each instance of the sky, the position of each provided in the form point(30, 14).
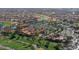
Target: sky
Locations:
point(39, 3)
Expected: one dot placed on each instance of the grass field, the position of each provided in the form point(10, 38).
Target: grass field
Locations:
point(27, 43)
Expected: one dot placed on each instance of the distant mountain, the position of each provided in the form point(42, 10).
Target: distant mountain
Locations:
point(57, 10)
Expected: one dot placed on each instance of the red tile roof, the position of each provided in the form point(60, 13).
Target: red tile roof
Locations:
point(2, 19)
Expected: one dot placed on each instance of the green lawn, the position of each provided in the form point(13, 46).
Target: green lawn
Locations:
point(26, 43)
point(5, 23)
point(14, 44)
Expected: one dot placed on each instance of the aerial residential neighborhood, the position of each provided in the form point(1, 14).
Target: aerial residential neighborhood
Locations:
point(39, 29)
